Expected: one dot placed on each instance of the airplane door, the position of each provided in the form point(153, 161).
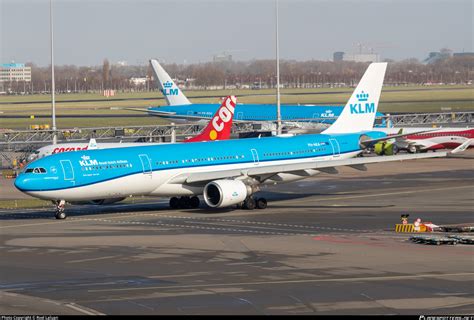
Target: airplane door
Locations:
point(255, 156)
point(336, 151)
point(240, 115)
point(68, 171)
point(146, 165)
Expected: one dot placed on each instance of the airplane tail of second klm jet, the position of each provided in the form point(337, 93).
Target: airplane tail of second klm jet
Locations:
point(173, 95)
point(360, 111)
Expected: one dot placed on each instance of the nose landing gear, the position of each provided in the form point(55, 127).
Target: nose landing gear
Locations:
point(60, 214)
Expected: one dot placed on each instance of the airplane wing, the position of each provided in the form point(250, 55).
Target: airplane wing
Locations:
point(395, 136)
point(264, 172)
point(168, 113)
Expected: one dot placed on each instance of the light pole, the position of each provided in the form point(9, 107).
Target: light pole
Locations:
point(278, 73)
point(53, 88)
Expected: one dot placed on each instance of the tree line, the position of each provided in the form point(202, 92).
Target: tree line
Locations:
point(240, 74)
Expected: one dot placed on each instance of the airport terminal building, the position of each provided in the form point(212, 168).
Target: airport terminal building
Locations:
point(10, 72)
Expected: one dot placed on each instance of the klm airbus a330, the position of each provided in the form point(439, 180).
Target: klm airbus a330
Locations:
point(179, 108)
point(226, 173)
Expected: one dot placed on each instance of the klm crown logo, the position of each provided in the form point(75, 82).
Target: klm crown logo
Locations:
point(363, 106)
point(362, 96)
point(167, 91)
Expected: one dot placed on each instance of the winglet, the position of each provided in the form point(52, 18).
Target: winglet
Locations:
point(173, 95)
point(221, 123)
point(462, 147)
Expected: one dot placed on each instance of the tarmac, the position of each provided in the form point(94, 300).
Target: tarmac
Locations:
point(324, 245)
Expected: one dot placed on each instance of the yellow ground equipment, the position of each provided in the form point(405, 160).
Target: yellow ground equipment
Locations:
point(39, 127)
point(385, 148)
point(409, 228)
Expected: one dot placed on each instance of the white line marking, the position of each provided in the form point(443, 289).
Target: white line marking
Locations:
point(256, 283)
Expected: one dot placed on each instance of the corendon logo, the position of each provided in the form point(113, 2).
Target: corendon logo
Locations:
point(225, 114)
point(59, 150)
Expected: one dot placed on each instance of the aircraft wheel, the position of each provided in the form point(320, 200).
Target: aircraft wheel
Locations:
point(395, 149)
point(261, 203)
point(174, 203)
point(194, 202)
point(184, 202)
point(61, 215)
point(249, 203)
point(414, 149)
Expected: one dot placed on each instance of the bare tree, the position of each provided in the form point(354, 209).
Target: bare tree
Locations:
point(105, 74)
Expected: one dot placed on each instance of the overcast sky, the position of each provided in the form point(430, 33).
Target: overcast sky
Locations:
point(87, 31)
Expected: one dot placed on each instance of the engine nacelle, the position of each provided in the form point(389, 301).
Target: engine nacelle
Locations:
point(225, 193)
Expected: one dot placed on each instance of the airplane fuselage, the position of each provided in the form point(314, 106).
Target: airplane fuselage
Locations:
point(251, 112)
point(155, 170)
point(442, 138)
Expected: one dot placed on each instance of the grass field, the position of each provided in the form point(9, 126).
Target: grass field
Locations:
point(24, 203)
point(393, 99)
point(38, 203)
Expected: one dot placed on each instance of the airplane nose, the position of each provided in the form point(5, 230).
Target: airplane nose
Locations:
point(21, 182)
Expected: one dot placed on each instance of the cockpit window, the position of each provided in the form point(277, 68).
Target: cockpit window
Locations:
point(35, 170)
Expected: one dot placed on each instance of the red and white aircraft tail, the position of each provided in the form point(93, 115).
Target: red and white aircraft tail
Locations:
point(221, 123)
point(218, 129)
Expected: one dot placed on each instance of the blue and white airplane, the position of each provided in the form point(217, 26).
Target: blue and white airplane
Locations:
point(226, 173)
point(179, 108)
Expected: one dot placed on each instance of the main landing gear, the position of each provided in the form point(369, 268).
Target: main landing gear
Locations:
point(60, 214)
point(251, 203)
point(185, 202)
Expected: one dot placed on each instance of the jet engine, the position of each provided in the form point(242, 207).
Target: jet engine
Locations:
point(225, 193)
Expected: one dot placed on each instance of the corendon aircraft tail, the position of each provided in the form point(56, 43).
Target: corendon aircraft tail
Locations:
point(219, 128)
point(221, 124)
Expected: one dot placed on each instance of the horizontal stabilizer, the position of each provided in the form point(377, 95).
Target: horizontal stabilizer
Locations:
point(462, 147)
point(397, 137)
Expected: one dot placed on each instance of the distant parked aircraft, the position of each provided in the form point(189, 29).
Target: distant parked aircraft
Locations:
point(179, 108)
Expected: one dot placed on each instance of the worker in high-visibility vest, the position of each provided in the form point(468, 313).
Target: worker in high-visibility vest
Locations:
point(404, 218)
